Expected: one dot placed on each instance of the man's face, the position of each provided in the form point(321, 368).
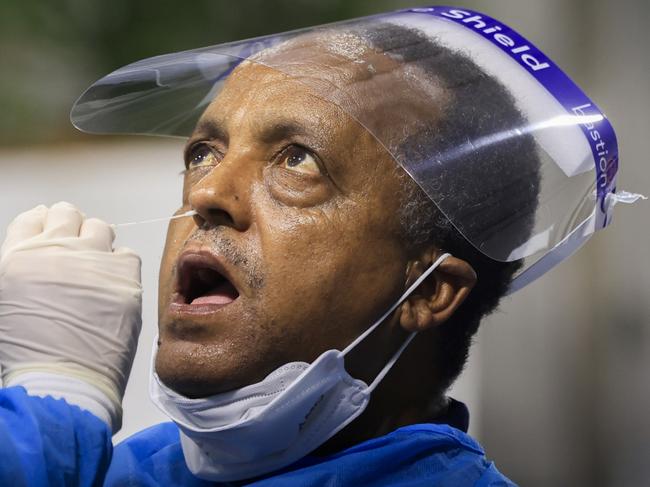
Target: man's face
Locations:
point(296, 248)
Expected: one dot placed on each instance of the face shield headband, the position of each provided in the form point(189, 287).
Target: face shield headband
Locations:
point(519, 160)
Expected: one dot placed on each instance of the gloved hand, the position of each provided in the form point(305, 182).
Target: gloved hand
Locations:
point(70, 309)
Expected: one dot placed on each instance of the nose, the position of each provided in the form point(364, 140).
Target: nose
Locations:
point(222, 197)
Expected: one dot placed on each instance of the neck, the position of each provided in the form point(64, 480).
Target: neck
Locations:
point(409, 394)
point(380, 418)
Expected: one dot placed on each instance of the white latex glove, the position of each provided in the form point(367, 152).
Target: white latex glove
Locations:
point(70, 309)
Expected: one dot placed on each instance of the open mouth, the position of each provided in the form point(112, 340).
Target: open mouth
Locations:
point(200, 282)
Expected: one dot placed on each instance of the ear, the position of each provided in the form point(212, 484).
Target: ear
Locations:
point(440, 295)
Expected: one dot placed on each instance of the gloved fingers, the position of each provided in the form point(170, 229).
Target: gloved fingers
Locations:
point(135, 263)
point(63, 220)
point(98, 234)
point(26, 225)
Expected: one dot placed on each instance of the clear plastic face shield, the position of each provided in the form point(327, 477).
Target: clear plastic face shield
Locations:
point(509, 149)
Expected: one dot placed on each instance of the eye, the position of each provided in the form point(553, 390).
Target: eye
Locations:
point(202, 155)
point(299, 159)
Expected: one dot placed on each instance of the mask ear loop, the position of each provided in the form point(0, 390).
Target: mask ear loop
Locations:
point(408, 340)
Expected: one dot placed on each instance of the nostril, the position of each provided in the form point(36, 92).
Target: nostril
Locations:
point(220, 217)
point(213, 217)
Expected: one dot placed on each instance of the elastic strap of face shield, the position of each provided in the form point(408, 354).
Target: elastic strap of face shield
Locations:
point(576, 239)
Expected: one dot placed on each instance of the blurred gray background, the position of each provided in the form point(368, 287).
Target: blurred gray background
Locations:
point(558, 381)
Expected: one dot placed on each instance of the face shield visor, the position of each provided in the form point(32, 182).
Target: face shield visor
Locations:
point(518, 159)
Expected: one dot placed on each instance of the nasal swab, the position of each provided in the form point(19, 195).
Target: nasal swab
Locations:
point(153, 220)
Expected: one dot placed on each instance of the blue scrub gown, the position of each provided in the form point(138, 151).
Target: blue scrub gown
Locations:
point(47, 442)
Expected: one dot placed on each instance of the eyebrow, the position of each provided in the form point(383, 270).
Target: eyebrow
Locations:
point(280, 129)
point(210, 128)
point(277, 130)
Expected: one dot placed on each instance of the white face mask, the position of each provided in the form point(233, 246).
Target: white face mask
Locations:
point(262, 427)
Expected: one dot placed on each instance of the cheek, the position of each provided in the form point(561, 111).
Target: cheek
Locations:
point(322, 270)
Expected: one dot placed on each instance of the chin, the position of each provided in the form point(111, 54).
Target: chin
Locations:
point(194, 369)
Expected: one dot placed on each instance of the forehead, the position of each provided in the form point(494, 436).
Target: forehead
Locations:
point(263, 101)
point(335, 73)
